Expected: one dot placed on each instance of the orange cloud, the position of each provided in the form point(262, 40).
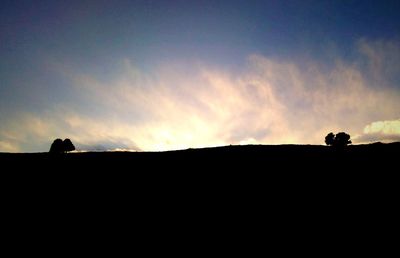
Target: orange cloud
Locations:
point(189, 105)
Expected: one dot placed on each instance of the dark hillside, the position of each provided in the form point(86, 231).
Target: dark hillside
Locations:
point(264, 159)
point(277, 189)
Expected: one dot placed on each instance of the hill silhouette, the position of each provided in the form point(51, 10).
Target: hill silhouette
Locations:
point(261, 175)
point(262, 158)
point(278, 189)
point(250, 173)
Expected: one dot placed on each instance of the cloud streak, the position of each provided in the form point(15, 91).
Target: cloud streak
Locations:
point(385, 131)
point(183, 105)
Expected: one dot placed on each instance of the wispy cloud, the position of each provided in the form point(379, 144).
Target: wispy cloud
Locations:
point(8, 147)
point(186, 105)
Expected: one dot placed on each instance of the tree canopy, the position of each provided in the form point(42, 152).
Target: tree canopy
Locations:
point(339, 140)
point(60, 146)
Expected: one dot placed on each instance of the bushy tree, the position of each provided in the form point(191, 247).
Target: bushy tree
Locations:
point(339, 140)
point(342, 139)
point(59, 146)
point(330, 139)
point(68, 146)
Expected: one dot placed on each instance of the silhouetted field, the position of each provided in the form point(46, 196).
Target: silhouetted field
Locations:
point(247, 159)
point(252, 171)
point(319, 190)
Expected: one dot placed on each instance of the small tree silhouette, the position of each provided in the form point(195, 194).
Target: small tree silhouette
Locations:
point(68, 146)
point(342, 139)
point(339, 140)
point(330, 139)
point(59, 146)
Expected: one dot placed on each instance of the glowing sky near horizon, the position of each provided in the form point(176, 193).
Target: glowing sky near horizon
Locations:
point(163, 75)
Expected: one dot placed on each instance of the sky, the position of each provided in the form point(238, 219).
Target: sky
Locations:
point(166, 75)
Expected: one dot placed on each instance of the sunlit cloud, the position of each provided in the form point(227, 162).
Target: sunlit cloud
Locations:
point(384, 131)
point(385, 127)
point(191, 105)
point(8, 147)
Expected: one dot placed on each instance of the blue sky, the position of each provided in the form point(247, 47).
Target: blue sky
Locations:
point(126, 73)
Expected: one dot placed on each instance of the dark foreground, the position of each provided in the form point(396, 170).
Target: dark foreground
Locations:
point(249, 159)
point(255, 170)
point(227, 166)
point(329, 198)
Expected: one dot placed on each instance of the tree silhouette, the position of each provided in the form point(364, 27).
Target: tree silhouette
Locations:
point(59, 146)
point(342, 139)
point(330, 139)
point(339, 140)
point(68, 146)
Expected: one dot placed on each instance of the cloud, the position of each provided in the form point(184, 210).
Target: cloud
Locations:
point(31, 132)
point(117, 144)
point(385, 131)
point(8, 147)
point(381, 60)
point(270, 101)
point(384, 127)
point(189, 104)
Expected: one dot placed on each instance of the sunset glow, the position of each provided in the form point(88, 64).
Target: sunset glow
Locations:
point(166, 75)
